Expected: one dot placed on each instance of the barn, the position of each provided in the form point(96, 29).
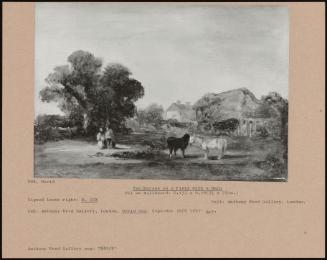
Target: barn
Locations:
point(240, 104)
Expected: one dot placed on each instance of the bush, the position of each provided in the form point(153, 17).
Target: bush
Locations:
point(175, 123)
point(46, 128)
point(241, 143)
point(273, 165)
point(152, 115)
point(262, 132)
point(126, 131)
point(53, 120)
point(44, 134)
point(228, 125)
point(156, 144)
point(133, 124)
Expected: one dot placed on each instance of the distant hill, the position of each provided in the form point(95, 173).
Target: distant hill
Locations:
point(230, 104)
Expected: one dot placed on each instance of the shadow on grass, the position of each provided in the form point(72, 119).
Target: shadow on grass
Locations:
point(215, 157)
point(234, 156)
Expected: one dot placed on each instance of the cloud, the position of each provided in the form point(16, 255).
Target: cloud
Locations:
point(178, 51)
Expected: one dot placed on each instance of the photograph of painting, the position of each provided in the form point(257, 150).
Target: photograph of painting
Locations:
point(161, 91)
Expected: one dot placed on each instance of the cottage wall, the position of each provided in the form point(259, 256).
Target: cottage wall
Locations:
point(249, 126)
point(173, 115)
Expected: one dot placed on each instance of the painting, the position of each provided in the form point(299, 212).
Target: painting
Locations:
point(161, 91)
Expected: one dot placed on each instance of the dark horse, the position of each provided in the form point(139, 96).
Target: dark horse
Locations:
point(175, 143)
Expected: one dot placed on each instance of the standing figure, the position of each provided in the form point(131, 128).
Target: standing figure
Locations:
point(110, 137)
point(101, 139)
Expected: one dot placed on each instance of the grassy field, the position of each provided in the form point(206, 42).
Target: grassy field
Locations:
point(245, 160)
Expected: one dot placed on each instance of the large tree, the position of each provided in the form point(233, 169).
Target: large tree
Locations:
point(95, 97)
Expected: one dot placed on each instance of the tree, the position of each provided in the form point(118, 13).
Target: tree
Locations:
point(119, 93)
point(280, 106)
point(153, 114)
point(95, 98)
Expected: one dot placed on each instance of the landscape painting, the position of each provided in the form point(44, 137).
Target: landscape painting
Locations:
point(161, 91)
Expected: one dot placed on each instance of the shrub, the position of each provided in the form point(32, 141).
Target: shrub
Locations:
point(262, 131)
point(156, 144)
point(273, 165)
point(46, 128)
point(228, 125)
point(152, 115)
point(44, 134)
point(241, 143)
point(53, 120)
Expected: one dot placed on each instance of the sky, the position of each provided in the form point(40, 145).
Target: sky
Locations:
point(178, 51)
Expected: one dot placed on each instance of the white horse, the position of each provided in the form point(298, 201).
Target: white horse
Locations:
point(208, 144)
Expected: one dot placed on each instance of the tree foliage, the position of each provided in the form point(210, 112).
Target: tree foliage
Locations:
point(280, 105)
point(52, 121)
point(92, 97)
point(45, 127)
point(153, 114)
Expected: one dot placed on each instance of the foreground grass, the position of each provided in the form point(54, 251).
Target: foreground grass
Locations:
point(245, 160)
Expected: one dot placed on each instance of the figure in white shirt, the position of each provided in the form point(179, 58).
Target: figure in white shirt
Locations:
point(101, 139)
